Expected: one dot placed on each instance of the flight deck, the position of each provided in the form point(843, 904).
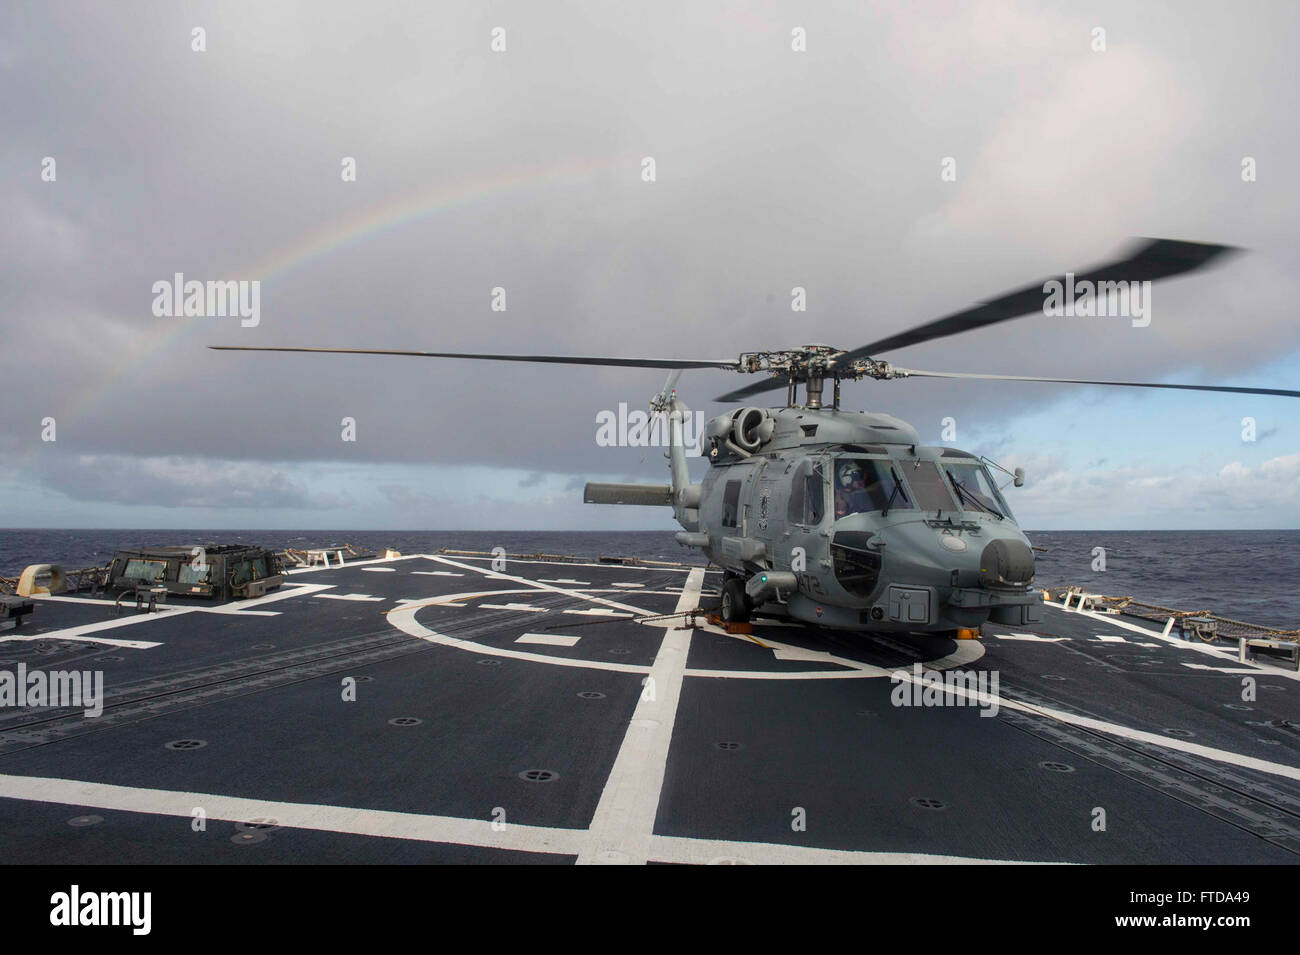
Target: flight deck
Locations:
point(439, 708)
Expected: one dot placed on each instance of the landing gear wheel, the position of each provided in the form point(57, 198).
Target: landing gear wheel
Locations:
point(735, 602)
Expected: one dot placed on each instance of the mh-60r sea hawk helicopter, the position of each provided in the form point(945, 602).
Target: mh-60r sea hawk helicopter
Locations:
point(843, 518)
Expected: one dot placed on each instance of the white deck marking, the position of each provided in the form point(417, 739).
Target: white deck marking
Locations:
point(529, 607)
point(1195, 647)
point(403, 618)
point(967, 652)
point(316, 568)
point(562, 580)
point(625, 584)
point(348, 597)
point(82, 632)
point(622, 568)
point(548, 639)
point(1030, 637)
point(597, 612)
point(436, 573)
point(379, 570)
point(241, 608)
point(126, 644)
point(129, 606)
point(622, 828)
point(1125, 732)
point(1253, 671)
point(547, 588)
point(1106, 638)
point(386, 824)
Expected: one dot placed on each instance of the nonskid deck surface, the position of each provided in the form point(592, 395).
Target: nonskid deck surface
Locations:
point(526, 716)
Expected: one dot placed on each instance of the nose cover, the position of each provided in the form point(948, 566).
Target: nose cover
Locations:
point(1006, 563)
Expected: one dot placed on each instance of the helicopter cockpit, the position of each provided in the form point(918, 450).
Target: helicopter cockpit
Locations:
point(878, 486)
point(866, 485)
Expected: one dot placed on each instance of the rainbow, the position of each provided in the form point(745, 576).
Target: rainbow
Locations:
point(343, 233)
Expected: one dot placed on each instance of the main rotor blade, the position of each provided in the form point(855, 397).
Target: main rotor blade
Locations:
point(1148, 260)
point(754, 388)
point(728, 363)
point(911, 373)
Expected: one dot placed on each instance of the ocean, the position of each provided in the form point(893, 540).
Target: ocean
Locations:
point(1246, 575)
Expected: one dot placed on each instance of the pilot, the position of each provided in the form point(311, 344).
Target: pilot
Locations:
point(850, 491)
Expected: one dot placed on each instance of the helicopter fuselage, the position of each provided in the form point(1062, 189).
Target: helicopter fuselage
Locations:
point(843, 519)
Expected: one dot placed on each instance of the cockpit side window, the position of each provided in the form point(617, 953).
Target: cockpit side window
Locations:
point(815, 495)
point(865, 485)
point(807, 503)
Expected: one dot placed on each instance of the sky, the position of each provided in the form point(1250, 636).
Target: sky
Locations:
point(523, 169)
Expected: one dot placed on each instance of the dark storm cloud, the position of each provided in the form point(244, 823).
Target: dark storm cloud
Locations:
point(179, 482)
point(775, 170)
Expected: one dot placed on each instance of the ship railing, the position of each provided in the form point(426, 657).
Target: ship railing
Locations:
point(1204, 625)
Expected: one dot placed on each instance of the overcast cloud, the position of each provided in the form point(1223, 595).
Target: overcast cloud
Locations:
point(522, 170)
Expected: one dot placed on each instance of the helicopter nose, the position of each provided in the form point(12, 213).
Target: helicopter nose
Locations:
point(1006, 563)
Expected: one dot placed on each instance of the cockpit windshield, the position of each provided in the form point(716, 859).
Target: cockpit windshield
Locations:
point(973, 487)
point(864, 485)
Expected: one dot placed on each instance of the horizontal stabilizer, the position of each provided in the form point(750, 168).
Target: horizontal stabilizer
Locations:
point(652, 494)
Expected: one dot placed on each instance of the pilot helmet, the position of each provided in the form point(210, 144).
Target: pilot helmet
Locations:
point(850, 474)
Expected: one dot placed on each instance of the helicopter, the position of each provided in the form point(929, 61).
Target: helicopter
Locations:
point(843, 518)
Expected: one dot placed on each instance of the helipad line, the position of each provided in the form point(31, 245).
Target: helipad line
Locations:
point(535, 585)
point(1196, 647)
point(1117, 729)
point(622, 828)
point(446, 830)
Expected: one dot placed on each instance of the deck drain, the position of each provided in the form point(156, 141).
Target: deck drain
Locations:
point(1056, 767)
point(488, 662)
point(1269, 742)
point(1053, 676)
point(80, 821)
point(539, 775)
point(405, 721)
point(867, 713)
point(263, 646)
point(364, 679)
point(620, 650)
point(187, 744)
point(1185, 734)
point(925, 802)
point(1270, 686)
point(248, 838)
point(591, 695)
point(1237, 706)
point(111, 659)
point(728, 745)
